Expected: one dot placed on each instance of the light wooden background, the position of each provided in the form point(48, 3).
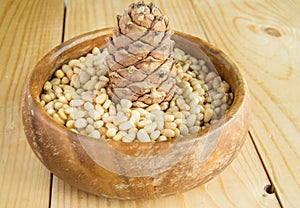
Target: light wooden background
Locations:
point(262, 36)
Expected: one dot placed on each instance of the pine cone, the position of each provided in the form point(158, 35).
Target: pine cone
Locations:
point(140, 58)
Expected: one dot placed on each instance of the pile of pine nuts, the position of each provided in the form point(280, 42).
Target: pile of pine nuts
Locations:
point(76, 97)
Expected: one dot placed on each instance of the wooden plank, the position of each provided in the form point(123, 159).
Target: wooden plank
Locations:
point(263, 37)
point(242, 183)
point(28, 30)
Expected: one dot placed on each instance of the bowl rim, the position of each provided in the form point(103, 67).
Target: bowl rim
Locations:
point(240, 94)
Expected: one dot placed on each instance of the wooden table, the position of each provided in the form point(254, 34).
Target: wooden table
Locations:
point(262, 36)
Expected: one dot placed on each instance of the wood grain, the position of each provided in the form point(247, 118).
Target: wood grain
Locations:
point(264, 36)
point(28, 30)
point(242, 183)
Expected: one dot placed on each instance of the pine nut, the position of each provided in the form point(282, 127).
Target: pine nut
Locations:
point(162, 138)
point(80, 123)
point(65, 68)
point(98, 124)
point(210, 76)
point(63, 99)
point(195, 67)
point(47, 98)
point(102, 130)
point(154, 135)
point(70, 110)
point(69, 96)
point(200, 116)
point(88, 106)
point(76, 97)
point(51, 111)
point(107, 104)
point(58, 119)
point(52, 95)
point(168, 133)
point(125, 126)
point(144, 122)
point(180, 121)
point(191, 120)
point(76, 103)
point(100, 109)
point(143, 112)
point(195, 110)
point(73, 62)
point(77, 114)
point(89, 129)
point(129, 137)
point(111, 132)
point(135, 117)
point(119, 136)
point(150, 128)
point(70, 124)
point(208, 113)
point(184, 130)
point(69, 74)
point(126, 103)
point(94, 114)
point(55, 81)
point(160, 123)
point(95, 134)
point(143, 136)
point(90, 85)
point(43, 103)
point(112, 110)
point(47, 86)
point(90, 120)
point(95, 51)
point(153, 107)
point(62, 114)
point(177, 132)
point(217, 102)
point(169, 117)
point(178, 115)
point(87, 96)
point(57, 105)
point(65, 80)
point(120, 118)
point(170, 125)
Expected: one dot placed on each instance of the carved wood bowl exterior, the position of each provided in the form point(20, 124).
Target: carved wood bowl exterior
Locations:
point(135, 170)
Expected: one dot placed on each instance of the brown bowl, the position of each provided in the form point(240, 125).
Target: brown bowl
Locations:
point(135, 170)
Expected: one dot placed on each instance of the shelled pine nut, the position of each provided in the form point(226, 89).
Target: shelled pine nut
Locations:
point(76, 97)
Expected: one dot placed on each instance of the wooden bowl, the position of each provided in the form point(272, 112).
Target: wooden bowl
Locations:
point(134, 170)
